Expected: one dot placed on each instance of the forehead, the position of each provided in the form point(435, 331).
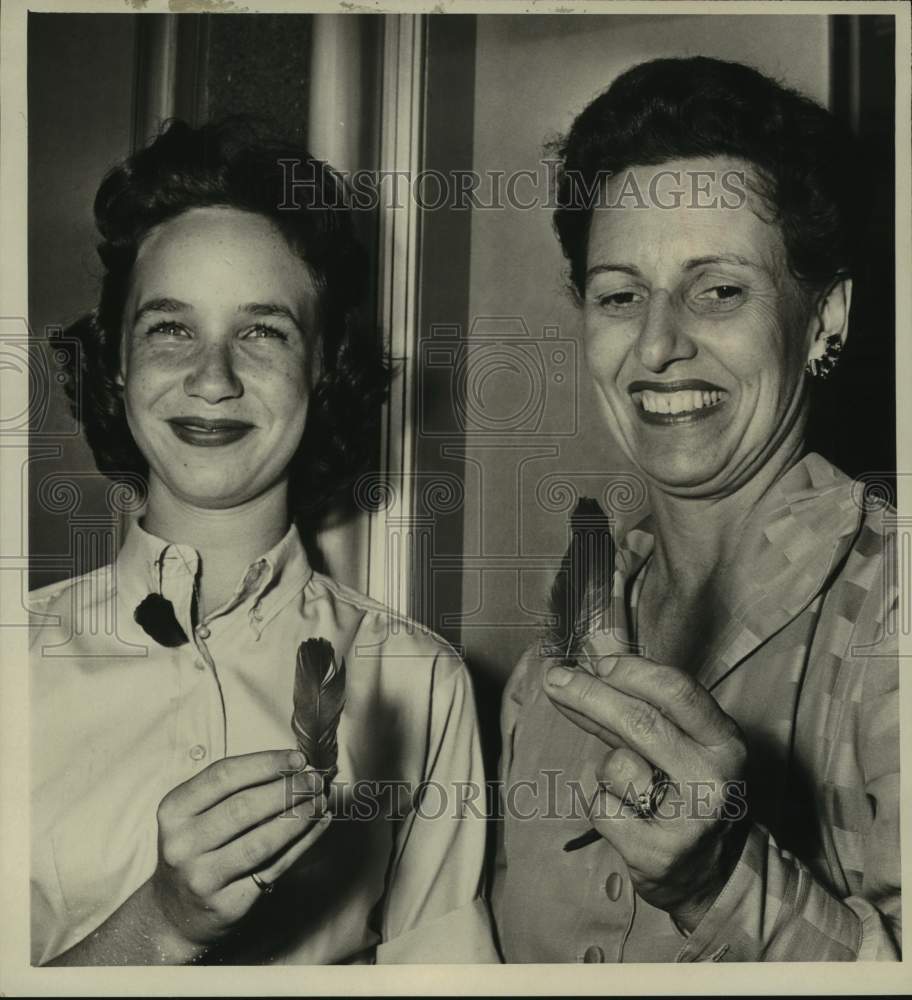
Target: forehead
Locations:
point(659, 216)
point(208, 252)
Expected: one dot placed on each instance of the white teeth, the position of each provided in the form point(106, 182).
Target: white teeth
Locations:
point(683, 401)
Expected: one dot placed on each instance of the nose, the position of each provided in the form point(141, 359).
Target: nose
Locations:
point(662, 339)
point(213, 377)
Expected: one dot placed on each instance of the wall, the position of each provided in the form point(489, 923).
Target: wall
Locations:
point(533, 74)
point(79, 126)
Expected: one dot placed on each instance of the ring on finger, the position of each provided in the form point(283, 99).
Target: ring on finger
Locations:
point(264, 886)
point(648, 801)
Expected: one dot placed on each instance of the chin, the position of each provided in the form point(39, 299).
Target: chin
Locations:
point(210, 496)
point(682, 473)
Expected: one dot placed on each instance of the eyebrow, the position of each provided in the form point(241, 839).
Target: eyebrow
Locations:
point(164, 305)
point(689, 265)
point(268, 309)
point(723, 258)
point(167, 305)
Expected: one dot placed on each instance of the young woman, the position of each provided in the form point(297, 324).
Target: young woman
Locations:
point(172, 820)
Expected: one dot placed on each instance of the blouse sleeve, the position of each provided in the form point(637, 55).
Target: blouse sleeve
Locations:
point(514, 696)
point(773, 908)
point(435, 910)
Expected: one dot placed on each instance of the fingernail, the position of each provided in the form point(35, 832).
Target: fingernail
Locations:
point(605, 665)
point(558, 677)
point(297, 760)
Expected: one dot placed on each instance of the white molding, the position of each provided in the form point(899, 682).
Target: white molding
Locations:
point(401, 150)
point(336, 98)
point(155, 76)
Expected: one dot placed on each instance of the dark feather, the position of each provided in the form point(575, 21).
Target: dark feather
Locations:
point(319, 694)
point(582, 588)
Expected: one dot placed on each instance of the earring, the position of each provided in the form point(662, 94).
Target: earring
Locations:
point(823, 366)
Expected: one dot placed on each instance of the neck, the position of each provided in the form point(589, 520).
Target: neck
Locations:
point(697, 538)
point(227, 540)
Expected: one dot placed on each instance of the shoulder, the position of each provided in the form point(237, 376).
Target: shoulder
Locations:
point(860, 628)
point(867, 586)
point(58, 603)
point(391, 633)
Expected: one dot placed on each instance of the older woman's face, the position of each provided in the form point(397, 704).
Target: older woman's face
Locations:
point(218, 343)
point(696, 335)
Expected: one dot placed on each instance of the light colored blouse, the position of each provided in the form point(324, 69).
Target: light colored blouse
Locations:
point(118, 721)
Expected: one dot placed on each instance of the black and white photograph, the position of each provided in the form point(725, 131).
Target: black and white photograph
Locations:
point(453, 489)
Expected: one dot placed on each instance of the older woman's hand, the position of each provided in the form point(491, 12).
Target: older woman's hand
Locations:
point(650, 714)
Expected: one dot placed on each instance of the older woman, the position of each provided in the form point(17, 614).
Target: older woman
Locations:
point(713, 756)
point(172, 820)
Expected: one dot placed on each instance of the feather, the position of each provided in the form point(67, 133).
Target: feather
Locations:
point(319, 694)
point(582, 588)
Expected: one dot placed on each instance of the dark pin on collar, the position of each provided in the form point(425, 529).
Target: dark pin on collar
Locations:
point(155, 616)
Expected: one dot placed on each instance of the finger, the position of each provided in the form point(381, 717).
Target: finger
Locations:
point(626, 774)
point(257, 848)
point(295, 850)
point(677, 695)
point(596, 662)
point(640, 725)
point(640, 841)
point(250, 807)
point(608, 812)
point(611, 739)
point(229, 775)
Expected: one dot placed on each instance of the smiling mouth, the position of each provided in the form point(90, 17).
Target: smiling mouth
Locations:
point(205, 433)
point(676, 402)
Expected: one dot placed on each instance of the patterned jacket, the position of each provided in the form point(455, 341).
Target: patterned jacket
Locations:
point(806, 663)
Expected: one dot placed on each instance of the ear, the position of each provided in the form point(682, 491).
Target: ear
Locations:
point(830, 319)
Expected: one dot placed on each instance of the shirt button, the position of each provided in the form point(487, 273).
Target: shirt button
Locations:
point(199, 664)
point(593, 954)
point(203, 631)
point(198, 752)
point(614, 884)
point(257, 615)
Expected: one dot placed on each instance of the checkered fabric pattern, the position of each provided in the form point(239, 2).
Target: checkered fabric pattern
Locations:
point(806, 662)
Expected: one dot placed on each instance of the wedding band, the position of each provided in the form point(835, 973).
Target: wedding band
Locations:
point(264, 887)
point(647, 802)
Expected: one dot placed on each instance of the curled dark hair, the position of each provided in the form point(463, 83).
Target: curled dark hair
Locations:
point(235, 163)
point(668, 109)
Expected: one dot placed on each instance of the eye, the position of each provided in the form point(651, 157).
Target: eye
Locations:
point(263, 331)
point(168, 328)
point(725, 291)
point(616, 303)
point(719, 298)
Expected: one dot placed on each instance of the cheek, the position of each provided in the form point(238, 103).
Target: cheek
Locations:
point(604, 353)
point(287, 391)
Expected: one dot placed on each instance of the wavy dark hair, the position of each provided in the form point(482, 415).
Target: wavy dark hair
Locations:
point(238, 163)
point(806, 163)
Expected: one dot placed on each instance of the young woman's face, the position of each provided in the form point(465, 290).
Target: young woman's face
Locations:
point(218, 351)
